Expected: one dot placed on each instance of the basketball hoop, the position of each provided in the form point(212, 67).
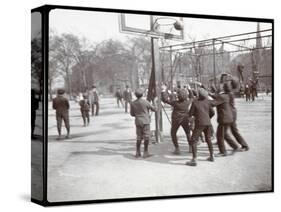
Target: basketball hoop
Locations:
point(167, 27)
point(167, 22)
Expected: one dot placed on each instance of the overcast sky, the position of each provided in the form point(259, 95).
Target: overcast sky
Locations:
point(98, 26)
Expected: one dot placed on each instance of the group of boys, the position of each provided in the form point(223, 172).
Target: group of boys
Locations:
point(251, 91)
point(126, 95)
point(198, 107)
point(188, 105)
point(89, 101)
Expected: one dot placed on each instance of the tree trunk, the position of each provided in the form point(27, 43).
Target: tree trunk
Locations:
point(50, 90)
point(68, 83)
point(135, 76)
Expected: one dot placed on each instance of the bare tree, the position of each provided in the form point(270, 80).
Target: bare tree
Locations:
point(139, 52)
point(62, 50)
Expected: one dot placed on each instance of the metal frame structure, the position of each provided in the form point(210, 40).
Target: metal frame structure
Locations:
point(230, 40)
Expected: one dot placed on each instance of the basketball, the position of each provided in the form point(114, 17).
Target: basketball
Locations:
point(178, 25)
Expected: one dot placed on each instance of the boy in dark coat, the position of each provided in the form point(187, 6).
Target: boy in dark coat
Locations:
point(140, 110)
point(233, 127)
point(202, 111)
point(61, 105)
point(127, 96)
point(225, 119)
point(180, 116)
point(85, 110)
point(94, 100)
point(119, 97)
point(247, 92)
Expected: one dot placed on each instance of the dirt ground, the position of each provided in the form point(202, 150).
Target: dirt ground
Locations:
point(98, 161)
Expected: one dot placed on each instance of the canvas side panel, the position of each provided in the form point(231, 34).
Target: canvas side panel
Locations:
point(36, 107)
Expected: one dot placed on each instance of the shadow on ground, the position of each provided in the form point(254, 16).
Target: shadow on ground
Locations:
point(161, 152)
point(52, 138)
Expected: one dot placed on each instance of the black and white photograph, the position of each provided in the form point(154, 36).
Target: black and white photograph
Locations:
point(150, 105)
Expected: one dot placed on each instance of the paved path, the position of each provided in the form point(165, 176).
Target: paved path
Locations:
point(98, 161)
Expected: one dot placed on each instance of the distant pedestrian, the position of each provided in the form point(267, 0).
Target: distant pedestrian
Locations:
point(253, 92)
point(267, 91)
point(94, 100)
point(201, 109)
point(127, 96)
point(85, 109)
point(253, 89)
point(61, 105)
point(247, 92)
point(241, 92)
point(140, 109)
point(119, 97)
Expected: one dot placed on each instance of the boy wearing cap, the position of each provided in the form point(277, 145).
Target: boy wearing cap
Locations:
point(61, 105)
point(127, 96)
point(225, 118)
point(233, 127)
point(180, 116)
point(202, 111)
point(94, 100)
point(140, 110)
point(85, 110)
point(119, 97)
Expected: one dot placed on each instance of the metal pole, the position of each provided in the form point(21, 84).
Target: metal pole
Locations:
point(179, 77)
point(210, 44)
point(222, 58)
point(199, 69)
point(224, 37)
point(214, 64)
point(156, 67)
point(245, 50)
point(171, 68)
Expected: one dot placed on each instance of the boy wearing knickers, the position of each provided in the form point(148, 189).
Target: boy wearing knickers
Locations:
point(202, 111)
point(180, 116)
point(140, 110)
point(85, 110)
point(61, 105)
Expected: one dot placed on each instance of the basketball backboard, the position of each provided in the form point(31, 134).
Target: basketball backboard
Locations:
point(168, 27)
